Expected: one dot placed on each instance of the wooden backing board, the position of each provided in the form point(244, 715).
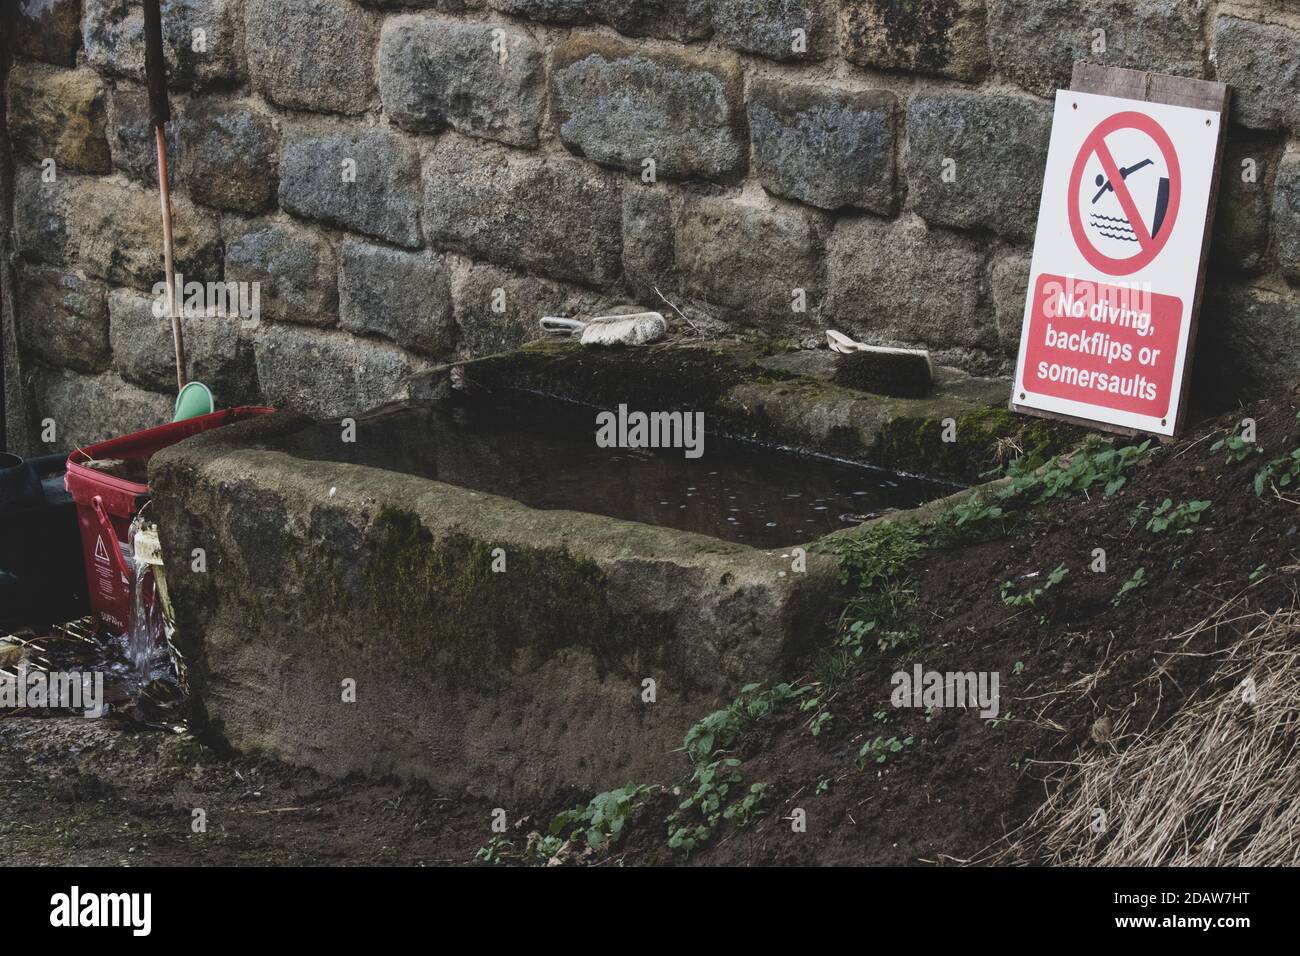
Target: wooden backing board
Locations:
point(1174, 91)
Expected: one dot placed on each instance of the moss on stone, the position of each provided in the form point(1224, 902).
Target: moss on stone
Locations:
point(448, 612)
point(985, 438)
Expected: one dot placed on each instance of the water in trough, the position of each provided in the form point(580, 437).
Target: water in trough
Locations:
point(544, 454)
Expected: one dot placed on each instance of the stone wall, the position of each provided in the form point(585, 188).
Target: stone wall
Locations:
point(412, 181)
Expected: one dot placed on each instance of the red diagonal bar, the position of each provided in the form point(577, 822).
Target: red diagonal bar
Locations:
point(1123, 195)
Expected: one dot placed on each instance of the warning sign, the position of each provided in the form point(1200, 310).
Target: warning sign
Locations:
point(1117, 259)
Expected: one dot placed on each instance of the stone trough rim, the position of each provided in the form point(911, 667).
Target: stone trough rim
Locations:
point(240, 438)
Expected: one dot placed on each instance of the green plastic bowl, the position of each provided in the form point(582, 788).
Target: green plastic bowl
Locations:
point(194, 400)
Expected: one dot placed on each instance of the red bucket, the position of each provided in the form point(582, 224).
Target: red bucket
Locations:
point(107, 504)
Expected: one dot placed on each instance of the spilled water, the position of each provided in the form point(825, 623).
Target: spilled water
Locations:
point(140, 677)
point(153, 695)
point(145, 639)
point(543, 453)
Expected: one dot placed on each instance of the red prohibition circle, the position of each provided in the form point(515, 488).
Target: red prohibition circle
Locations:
point(1096, 143)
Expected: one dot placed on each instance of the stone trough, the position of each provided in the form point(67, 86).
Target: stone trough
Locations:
point(354, 618)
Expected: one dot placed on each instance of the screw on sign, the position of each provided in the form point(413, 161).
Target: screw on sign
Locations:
point(1133, 206)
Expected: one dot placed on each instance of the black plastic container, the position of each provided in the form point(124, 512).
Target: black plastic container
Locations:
point(15, 480)
point(42, 578)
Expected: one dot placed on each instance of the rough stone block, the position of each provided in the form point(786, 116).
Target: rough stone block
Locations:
point(1261, 62)
point(621, 105)
point(567, 12)
point(1035, 42)
point(483, 79)
point(787, 30)
point(231, 154)
point(829, 148)
point(60, 115)
point(1241, 220)
point(749, 263)
point(131, 134)
point(402, 296)
point(998, 144)
point(1243, 342)
point(48, 30)
point(363, 179)
point(293, 266)
point(938, 37)
point(559, 217)
point(498, 310)
point(667, 19)
point(441, 6)
point(903, 282)
point(312, 54)
point(91, 408)
point(1286, 216)
point(329, 374)
point(113, 35)
point(41, 215)
point(217, 352)
point(649, 259)
point(1009, 287)
point(115, 229)
point(63, 319)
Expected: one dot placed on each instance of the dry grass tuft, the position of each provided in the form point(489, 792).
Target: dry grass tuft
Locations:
point(1217, 786)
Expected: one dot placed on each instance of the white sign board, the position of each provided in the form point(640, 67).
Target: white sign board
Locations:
point(1116, 263)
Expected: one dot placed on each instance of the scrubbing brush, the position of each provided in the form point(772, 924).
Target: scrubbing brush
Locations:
point(902, 373)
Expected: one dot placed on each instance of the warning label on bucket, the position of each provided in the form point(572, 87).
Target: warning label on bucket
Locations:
point(1116, 261)
point(107, 574)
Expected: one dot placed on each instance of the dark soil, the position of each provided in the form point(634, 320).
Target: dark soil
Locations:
point(78, 792)
point(1078, 672)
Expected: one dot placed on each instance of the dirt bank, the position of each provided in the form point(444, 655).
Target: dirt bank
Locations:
point(1090, 662)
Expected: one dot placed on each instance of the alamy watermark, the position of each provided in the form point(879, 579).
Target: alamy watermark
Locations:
point(966, 689)
point(39, 689)
point(74, 909)
point(624, 429)
point(198, 300)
